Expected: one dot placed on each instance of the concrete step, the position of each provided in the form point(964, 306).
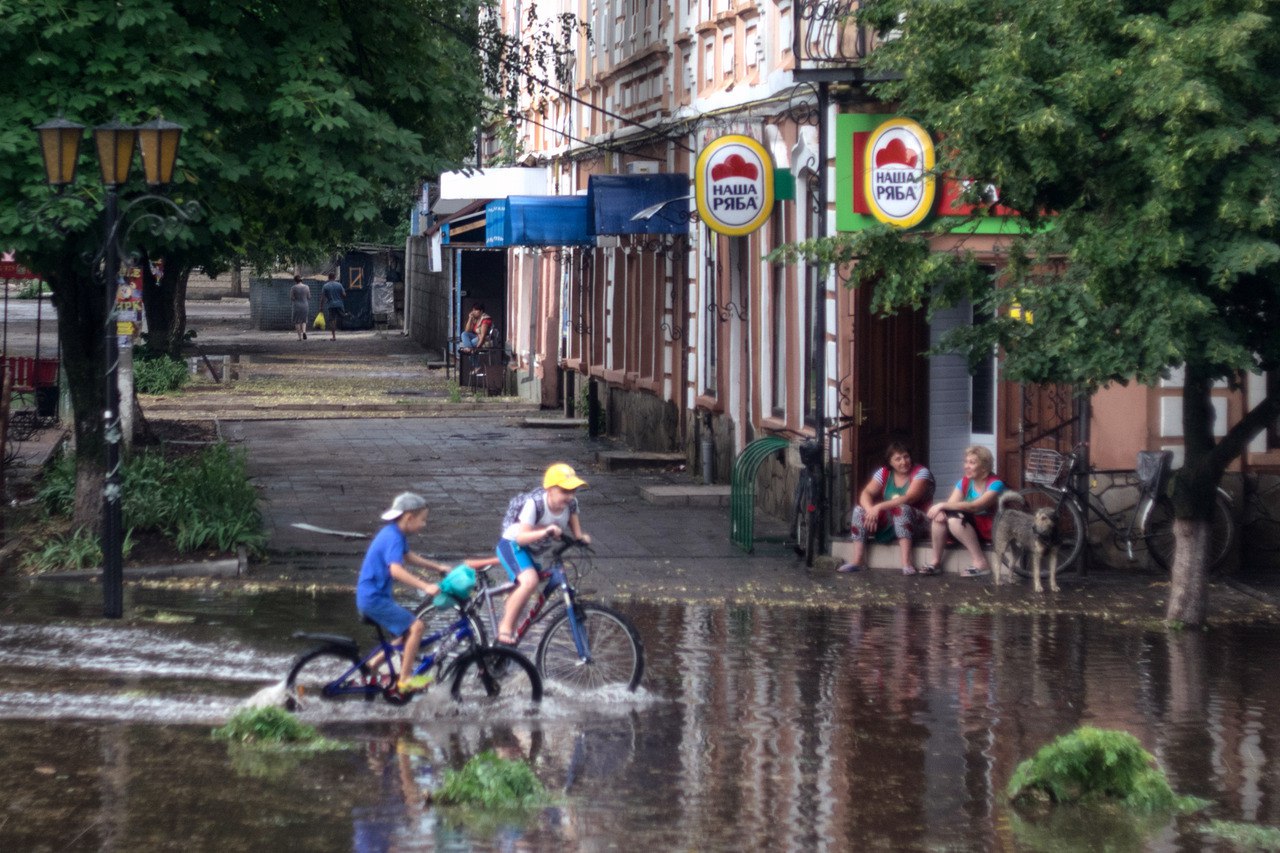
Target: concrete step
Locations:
point(686, 495)
point(554, 423)
point(888, 558)
point(618, 460)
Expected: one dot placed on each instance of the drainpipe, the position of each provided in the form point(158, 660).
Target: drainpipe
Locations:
point(707, 451)
point(820, 333)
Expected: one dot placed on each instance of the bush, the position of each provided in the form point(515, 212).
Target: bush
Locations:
point(199, 501)
point(33, 289)
point(157, 373)
point(74, 551)
point(1090, 765)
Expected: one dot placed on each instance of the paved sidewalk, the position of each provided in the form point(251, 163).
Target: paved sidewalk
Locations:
point(340, 474)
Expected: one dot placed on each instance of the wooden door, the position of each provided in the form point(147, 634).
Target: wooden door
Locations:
point(890, 397)
point(1040, 415)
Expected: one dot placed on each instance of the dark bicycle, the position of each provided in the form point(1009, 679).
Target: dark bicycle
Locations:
point(806, 511)
point(1150, 525)
point(455, 654)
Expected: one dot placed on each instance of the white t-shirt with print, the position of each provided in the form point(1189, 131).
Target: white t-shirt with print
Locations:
point(529, 515)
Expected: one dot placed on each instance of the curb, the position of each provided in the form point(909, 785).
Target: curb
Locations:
point(228, 568)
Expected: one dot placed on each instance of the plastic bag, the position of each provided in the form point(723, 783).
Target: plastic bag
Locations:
point(318, 322)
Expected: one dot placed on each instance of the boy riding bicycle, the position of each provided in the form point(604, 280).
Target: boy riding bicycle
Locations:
point(533, 519)
point(384, 562)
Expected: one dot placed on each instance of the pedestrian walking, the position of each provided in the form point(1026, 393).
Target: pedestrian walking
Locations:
point(300, 299)
point(332, 303)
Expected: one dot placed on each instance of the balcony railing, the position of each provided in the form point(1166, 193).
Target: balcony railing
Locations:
point(827, 42)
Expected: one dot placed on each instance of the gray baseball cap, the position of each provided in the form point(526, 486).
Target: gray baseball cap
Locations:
point(404, 502)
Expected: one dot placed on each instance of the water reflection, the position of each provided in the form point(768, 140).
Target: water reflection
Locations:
point(757, 728)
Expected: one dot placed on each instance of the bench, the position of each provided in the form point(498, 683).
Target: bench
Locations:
point(30, 373)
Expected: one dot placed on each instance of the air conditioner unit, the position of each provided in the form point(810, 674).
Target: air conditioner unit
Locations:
point(642, 167)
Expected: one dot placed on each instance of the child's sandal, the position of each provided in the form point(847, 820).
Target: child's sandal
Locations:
point(929, 569)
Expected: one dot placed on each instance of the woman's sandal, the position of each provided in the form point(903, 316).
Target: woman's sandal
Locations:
point(928, 569)
point(506, 640)
point(975, 572)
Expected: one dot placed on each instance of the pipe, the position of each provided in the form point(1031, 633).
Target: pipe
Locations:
point(707, 452)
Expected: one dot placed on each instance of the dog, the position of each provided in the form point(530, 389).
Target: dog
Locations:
point(1017, 533)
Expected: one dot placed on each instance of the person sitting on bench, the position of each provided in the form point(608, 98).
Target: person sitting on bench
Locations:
point(477, 329)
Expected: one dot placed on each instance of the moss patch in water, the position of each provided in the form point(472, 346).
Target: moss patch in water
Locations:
point(1093, 765)
point(488, 781)
point(1246, 836)
point(273, 728)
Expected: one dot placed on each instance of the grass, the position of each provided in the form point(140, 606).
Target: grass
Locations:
point(1092, 765)
point(157, 373)
point(490, 782)
point(265, 726)
point(1245, 836)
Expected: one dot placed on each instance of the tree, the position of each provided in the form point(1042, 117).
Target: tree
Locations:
point(1137, 138)
point(308, 124)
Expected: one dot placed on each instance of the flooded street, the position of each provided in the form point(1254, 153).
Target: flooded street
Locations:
point(756, 728)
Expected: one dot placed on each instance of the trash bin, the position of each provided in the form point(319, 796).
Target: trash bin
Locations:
point(47, 402)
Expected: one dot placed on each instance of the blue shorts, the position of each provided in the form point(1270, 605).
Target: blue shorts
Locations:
point(515, 558)
point(391, 616)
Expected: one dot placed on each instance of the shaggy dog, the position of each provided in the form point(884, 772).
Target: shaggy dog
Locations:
point(1018, 533)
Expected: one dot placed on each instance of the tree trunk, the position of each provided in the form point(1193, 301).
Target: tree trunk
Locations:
point(1189, 575)
point(82, 315)
point(164, 299)
point(237, 278)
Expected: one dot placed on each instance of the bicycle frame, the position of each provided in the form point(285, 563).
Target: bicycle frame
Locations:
point(555, 579)
point(434, 648)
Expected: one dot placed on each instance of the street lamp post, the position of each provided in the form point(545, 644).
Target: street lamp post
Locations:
point(59, 145)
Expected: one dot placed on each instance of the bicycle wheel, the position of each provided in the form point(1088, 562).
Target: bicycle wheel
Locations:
point(617, 655)
point(1071, 530)
point(804, 521)
point(489, 673)
point(316, 673)
point(1158, 530)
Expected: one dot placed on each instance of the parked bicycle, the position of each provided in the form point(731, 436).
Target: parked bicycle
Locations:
point(806, 511)
point(585, 644)
point(455, 654)
point(1150, 524)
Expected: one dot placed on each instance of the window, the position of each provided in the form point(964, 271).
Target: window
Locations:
point(982, 395)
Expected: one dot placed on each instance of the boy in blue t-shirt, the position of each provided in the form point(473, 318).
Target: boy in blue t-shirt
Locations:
point(384, 562)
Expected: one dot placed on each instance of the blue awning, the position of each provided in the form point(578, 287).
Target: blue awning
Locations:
point(543, 221)
point(617, 199)
point(495, 224)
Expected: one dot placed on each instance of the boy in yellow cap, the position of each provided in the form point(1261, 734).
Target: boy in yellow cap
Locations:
point(533, 519)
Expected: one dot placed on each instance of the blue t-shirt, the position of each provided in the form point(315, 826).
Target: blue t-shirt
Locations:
point(388, 547)
point(972, 494)
point(333, 294)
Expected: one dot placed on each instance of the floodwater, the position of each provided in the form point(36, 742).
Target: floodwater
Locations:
point(756, 728)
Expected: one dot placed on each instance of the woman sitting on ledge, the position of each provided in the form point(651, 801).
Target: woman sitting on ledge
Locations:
point(892, 506)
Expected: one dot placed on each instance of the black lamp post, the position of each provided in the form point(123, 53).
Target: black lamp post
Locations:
point(59, 145)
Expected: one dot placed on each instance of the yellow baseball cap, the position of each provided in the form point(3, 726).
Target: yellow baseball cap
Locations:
point(563, 476)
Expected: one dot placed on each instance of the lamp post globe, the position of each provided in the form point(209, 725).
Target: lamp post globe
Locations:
point(60, 149)
point(158, 143)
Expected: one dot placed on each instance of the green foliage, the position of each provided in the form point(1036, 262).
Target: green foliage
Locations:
point(157, 373)
point(455, 391)
point(1244, 836)
point(57, 492)
point(271, 727)
point(487, 781)
point(201, 501)
point(33, 289)
point(1092, 764)
point(76, 551)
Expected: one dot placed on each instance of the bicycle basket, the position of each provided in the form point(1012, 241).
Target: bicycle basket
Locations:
point(810, 453)
point(1046, 466)
point(1153, 469)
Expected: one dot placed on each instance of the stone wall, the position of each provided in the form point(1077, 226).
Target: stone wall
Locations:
point(642, 420)
point(427, 296)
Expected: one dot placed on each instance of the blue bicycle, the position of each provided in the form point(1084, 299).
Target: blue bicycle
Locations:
point(455, 654)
